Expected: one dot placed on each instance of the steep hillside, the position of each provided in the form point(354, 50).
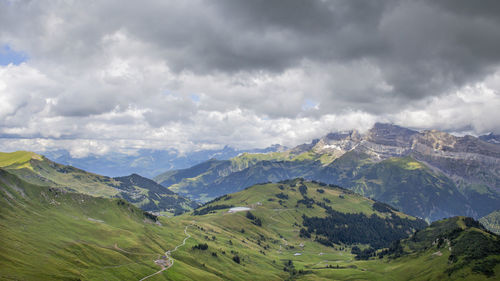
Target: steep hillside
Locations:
point(205, 182)
point(144, 193)
point(51, 234)
point(405, 183)
point(428, 174)
point(468, 246)
point(150, 196)
point(37, 169)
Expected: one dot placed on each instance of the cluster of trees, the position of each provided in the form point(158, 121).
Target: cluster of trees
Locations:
point(222, 197)
point(304, 233)
point(255, 220)
point(347, 228)
point(395, 250)
point(363, 254)
point(289, 267)
point(474, 247)
point(329, 185)
point(282, 195)
point(303, 189)
point(202, 247)
point(306, 201)
point(382, 207)
point(208, 209)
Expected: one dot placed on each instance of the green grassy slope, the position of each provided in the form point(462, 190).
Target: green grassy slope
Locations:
point(277, 240)
point(468, 246)
point(402, 182)
point(48, 234)
point(37, 169)
point(214, 178)
point(150, 196)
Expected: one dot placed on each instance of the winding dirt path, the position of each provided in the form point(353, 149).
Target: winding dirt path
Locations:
point(167, 254)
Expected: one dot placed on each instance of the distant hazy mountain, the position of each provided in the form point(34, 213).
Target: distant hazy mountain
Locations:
point(429, 174)
point(142, 192)
point(147, 162)
point(491, 138)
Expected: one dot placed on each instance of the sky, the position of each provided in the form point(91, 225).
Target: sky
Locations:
point(114, 76)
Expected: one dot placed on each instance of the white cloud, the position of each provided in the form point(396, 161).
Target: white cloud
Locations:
point(472, 108)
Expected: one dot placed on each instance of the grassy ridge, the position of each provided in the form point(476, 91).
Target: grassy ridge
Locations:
point(39, 170)
point(18, 158)
point(144, 193)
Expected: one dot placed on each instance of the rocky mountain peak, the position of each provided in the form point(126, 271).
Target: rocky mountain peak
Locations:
point(277, 148)
point(437, 140)
point(337, 143)
point(490, 138)
point(390, 134)
point(352, 135)
point(467, 144)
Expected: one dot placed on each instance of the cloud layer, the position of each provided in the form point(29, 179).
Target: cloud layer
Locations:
point(105, 76)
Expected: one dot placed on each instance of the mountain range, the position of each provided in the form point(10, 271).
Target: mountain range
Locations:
point(491, 138)
point(143, 192)
point(429, 174)
point(146, 162)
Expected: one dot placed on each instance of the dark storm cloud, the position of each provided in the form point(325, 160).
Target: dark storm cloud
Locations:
point(422, 48)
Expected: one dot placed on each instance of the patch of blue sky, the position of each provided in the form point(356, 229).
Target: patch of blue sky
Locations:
point(10, 56)
point(309, 104)
point(195, 98)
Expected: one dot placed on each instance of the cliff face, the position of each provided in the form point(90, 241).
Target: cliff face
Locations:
point(470, 164)
point(467, 160)
point(390, 135)
point(337, 143)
